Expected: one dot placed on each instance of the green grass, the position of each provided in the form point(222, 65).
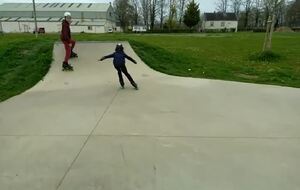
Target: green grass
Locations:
point(217, 56)
point(22, 65)
point(213, 56)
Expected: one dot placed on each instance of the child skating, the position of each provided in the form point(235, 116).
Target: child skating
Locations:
point(119, 64)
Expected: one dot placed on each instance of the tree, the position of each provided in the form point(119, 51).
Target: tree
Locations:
point(162, 6)
point(257, 8)
point(273, 7)
point(222, 6)
point(247, 5)
point(153, 11)
point(136, 7)
point(293, 16)
point(124, 12)
point(281, 13)
point(236, 7)
point(172, 15)
point(181, 10)
point(192, 15)
point(146, 10)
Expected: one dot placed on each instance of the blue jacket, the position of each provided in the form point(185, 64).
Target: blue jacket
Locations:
point(119, 58)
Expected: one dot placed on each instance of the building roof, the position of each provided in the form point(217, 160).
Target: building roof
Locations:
point(75, 22)
point(93, 7)
point(219, 16)
point(24, 19)
point(101, 23)
point(4, 18)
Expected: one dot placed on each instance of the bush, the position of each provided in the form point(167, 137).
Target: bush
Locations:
point(265, 56)
point(259, 30)
point(173, 31)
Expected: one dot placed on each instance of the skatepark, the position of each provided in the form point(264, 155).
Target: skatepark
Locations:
point(79, 131)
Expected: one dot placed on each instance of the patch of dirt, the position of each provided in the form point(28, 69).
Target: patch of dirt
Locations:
point(247, 76)
point(284, 29)
point(25, 52)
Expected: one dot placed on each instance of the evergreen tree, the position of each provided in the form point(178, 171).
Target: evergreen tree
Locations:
point(192, 15)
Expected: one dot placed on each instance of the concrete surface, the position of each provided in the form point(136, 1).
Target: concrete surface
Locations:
point(80, 131)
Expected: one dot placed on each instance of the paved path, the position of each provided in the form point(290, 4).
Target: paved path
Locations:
point(79, 131)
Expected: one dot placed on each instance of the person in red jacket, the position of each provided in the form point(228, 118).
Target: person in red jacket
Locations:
point(68, 42)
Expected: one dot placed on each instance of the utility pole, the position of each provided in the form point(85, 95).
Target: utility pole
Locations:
point(34, 15)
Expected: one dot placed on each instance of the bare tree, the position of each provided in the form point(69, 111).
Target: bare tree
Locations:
point(153, 11)
point(136, 7)
point(273, 6)
point(124, 12)
point(293, 15)
point(236, 7)
point(146, 10)
point(172, 14)
point(281, 12)
point(268, 9)
point(277, 7)
point(222, 5)
point(257, 9)
point(162, 7)
point(247, 6)
point(182, 4)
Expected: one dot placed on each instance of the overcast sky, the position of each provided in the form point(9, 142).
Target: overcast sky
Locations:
point(205, 5)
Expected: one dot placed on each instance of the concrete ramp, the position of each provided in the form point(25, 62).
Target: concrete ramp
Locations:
point(80, 131)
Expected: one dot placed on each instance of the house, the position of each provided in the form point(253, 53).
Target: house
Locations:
point(87, 17)
point(219, 22)
point(139, 28)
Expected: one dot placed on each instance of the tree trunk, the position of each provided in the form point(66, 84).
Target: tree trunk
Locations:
point(269, 44)
point(267, 33)
point(162, 6)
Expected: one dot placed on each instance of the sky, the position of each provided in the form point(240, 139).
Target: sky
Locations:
point(205, 5)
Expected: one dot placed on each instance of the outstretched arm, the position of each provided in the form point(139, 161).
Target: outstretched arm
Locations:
point(129, 58)
point(107, 56)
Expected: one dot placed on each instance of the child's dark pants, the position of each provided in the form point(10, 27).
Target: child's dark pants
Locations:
point(123, 69)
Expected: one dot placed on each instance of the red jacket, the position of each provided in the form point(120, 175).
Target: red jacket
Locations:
point(65, 31)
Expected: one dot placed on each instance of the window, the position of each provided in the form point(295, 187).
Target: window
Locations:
point(211, 23)
point(222, 24)
point(90, 27)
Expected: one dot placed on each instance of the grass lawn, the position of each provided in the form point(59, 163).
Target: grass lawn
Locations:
point(23, 63)
point(25, 60)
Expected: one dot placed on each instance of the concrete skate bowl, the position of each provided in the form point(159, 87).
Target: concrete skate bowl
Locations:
point(79, 130)
point(197, 104)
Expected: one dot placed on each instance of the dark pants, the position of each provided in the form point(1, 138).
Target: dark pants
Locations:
point(123, 69)
point(68, 49)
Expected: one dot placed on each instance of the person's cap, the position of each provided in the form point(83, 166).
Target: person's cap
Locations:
point(67, 14)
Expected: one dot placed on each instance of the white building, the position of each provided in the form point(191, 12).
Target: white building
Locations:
point(219, 22)
point(138, 28)
point(87, 17)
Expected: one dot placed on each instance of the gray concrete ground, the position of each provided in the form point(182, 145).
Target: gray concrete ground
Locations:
point(79, 131)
